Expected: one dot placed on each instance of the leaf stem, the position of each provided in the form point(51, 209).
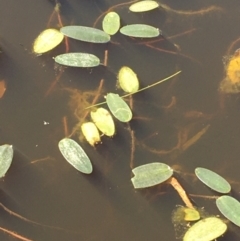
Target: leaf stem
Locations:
point(147, 87)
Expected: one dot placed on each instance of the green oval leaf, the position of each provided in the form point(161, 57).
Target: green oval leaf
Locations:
point(47, 40)
point(213, 180)
point(86, 34)
point(111, 23)
point(143, 6)
point(104, 121)
point(118, 107)
point(151, 174)
point(83, 60)
point(128, 80)
point(140, 31)
point(230, 208)
point(206, 229)
point(75, 155)
point(6, 156)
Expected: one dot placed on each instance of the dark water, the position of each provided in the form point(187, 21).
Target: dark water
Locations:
point(44, 188)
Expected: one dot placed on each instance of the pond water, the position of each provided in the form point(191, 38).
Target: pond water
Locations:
point(185, 122)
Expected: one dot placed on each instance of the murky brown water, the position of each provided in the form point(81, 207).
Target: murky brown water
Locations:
point(42, 187)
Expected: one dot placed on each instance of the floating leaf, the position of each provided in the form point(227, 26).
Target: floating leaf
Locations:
point(128, 80)
point(143, 6)
point(181, 216)
point(104, 121)
point(75, 155)
point(191, 214)
point(86, 34)
point(111, 23)
point(230, 208)
point(47, 40)
point(91, 133)
point(213, 180)
point(6, 156)
point(206, 229)
point(151, 174)
point(118, 107)
point(140, 31)
point(77, 60)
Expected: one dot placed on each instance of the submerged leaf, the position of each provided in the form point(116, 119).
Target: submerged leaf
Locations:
point(230, 208)
point(128, 80)
point(77, 60)
point(104, 121)
point(213, 180)
point(47, 40)
point(206, 229)
point(91, 133)
point(86, 34)
point(118, 107)
point(111, 23)
point(143, 6)
point(140, 31)
point(75, 155)
point(6, 156)
point(151, 174)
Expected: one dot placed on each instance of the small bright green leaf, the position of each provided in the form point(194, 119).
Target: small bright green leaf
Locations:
point(86, 34)
point(75, 155)
point(206, 229)
point(104, 121)
point(91, 133)
point(83, 60)
point(213, 180)
point(140, 31)
point(111, 23)
point(128, 80)
point(47, 40)
point(143, 6)
point(230, 208)
point(151, 174)
point(6, 156)
point(181, 216)
point(118, 107)
point(191, 214)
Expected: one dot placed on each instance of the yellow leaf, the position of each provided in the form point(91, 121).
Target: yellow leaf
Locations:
point(47, 40)
point(91, 133)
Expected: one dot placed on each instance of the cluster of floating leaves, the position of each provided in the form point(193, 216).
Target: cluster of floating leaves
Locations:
point(101, 118)
point(150, 174)
point(50, 38)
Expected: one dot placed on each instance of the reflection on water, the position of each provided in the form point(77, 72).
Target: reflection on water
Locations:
point(182, 122)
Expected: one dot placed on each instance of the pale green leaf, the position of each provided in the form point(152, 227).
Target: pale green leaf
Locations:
point(6, 156)
point(143, 6)
point(83, 60)
point(111, 23)
point(118, 107)
point(75, 155)
point(230, 208)
point(206, 229)
point(86, 34)
point(104, 121)
point(128, 80)
point(47, 40)
point(140, 31)
point(91, 133)
point(151, 174)
point(213, 180)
